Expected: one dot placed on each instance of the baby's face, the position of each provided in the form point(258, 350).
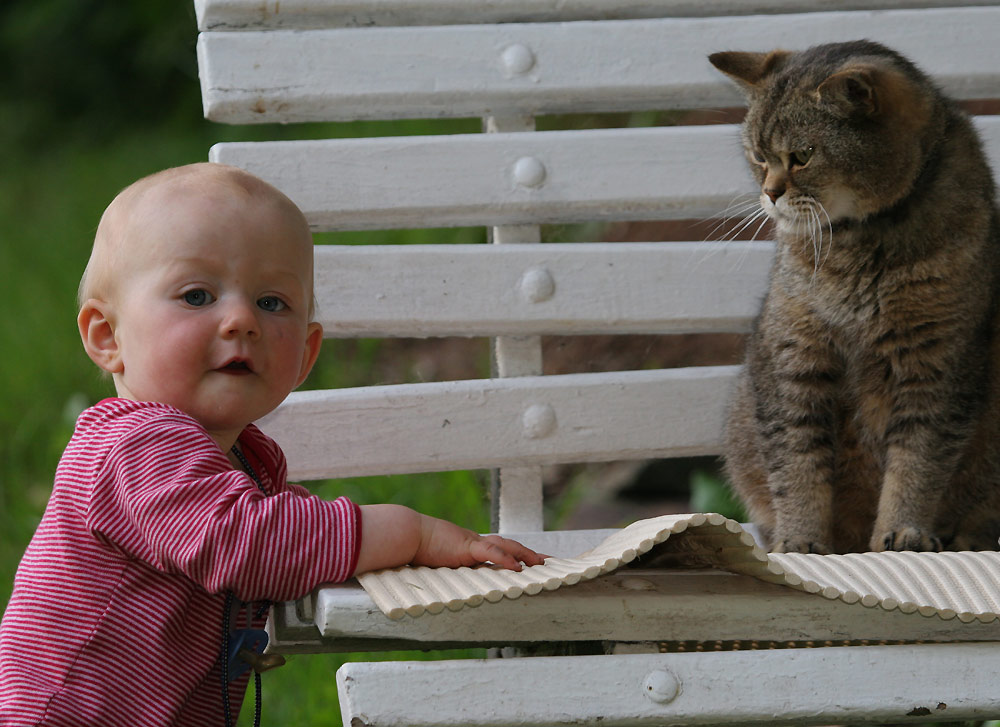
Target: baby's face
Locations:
point(213, 309)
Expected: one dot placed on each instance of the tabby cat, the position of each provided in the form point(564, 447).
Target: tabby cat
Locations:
point(867, 416)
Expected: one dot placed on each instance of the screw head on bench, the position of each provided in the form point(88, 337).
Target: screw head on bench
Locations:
point(517, 59)
point(529, 172)
point(538, 420)
point(537, 285)
point(661, 686)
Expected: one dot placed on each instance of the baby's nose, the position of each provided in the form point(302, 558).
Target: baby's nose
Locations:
point(240, 320)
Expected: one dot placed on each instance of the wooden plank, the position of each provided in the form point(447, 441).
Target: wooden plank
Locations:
point(308, 14)
point(482, 424)
point(469, 179)
point(630, 605)
point(559, 288)
point(516, 493)
point(544, 68)
point(926, 683)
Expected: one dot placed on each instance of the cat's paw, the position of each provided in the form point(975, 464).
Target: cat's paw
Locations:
point(800, 545)
point(907, 538)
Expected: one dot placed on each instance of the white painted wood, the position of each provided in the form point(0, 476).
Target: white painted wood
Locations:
point(519, 499)
point(469, 179)
point(482, 424)
point(614, 65)
point(306, 14)
point(632, 605)
point(517, 355)
point(794, 686)
point(480, 290)
point(442, 181)
point(516, 501)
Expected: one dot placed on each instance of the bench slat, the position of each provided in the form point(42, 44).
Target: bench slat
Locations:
point(778, 687)
point(558, 289)
point(482, 424)
point(306, 14)
point(614, 65)
point(627, 605)
point(469, 179)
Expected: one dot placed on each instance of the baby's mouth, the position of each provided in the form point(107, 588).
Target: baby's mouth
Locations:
point(238, 367)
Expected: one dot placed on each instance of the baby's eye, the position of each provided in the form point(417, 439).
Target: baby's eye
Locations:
point(198, 297)
point(271, 303)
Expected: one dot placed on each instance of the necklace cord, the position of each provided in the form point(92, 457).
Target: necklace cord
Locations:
point(227, 616)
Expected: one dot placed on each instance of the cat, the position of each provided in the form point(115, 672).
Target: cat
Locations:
point(867, 414)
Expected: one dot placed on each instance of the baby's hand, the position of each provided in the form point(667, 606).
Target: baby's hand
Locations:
point(393, 535)
point(445, 544)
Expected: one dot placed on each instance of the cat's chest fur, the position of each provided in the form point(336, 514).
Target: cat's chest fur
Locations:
point(874, 313)
point(860, 295)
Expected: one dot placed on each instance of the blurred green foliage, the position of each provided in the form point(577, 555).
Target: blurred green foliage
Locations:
point(711, 493)
point(88, 71)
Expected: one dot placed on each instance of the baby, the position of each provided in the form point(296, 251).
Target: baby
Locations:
point(168, 503)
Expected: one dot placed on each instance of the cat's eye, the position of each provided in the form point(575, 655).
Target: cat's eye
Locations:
point(802, 157)
point(757, 157)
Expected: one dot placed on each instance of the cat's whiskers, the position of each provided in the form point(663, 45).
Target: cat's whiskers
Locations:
point(747, 222)
point(760, 214)
point(809, 227)
point(814, 207)
point(739, 215)
point(735, 211)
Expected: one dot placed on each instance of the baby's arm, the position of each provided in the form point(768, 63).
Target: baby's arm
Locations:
point(393, 535)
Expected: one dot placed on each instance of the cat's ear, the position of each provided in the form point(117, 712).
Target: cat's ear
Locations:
point(867, 91)
point(852, 92)
point(748, 69)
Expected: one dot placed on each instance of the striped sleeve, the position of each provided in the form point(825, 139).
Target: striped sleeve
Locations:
point(167, 496)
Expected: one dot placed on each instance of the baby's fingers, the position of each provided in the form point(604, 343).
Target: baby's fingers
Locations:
point(507, 553)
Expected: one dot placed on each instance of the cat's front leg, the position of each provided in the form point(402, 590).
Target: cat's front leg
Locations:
point(927, 434)
point(800, 460)
point(908, 503)
point(796, 382)
point(803, 507)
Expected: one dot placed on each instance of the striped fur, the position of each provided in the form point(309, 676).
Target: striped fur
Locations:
point(868, 413)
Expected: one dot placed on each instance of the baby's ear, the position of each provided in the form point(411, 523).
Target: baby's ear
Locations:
point(314, 340)
point(98, 333)
point(749, 69)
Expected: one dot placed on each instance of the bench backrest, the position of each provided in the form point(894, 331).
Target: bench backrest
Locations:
point(505, 63)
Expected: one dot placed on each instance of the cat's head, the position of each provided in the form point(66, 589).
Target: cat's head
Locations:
point(836, 132)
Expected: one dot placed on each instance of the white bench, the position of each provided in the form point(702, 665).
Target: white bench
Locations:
point(508, 62)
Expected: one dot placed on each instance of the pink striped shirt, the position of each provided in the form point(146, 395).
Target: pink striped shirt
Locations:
point(116, 615)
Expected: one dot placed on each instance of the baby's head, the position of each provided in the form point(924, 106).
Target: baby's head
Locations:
point(198, 294)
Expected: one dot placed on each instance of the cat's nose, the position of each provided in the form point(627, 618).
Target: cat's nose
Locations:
point(773, 193)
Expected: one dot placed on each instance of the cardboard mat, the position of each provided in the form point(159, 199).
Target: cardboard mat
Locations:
point(963, 585)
